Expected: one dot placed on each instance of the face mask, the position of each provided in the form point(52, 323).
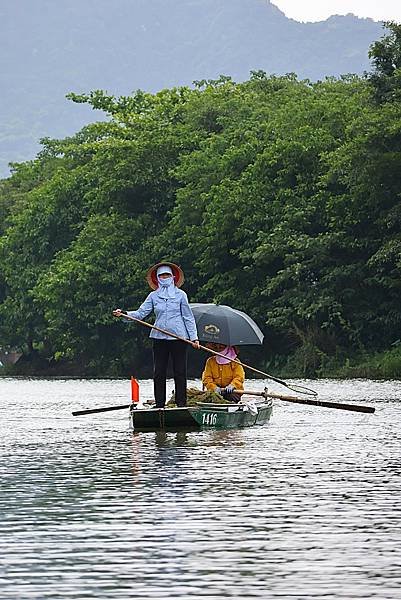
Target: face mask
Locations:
point(229, 352)
point(165, 281)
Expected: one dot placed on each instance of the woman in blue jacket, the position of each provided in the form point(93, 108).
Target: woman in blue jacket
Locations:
point(173, 314)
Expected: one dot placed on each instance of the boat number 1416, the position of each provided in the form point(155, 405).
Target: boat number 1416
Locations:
point(209, 419)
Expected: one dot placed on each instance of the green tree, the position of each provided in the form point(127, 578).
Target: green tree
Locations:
point(386, 60)
point(277, 196)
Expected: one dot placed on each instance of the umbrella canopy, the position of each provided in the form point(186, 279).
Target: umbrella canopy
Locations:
point(225, 325)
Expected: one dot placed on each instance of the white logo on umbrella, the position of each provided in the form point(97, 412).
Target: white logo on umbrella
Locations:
point(212, 329)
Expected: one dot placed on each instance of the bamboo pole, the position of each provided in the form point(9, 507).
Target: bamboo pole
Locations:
point(299, 388)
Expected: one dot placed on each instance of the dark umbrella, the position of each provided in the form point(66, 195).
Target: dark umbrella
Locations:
point(225, 325)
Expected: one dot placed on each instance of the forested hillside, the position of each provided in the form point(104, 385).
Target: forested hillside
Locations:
point(50, 48)
point(277, 196)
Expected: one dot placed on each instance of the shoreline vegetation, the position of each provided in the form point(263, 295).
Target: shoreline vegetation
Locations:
point(384, 366)
point(381, 365)
point(277, 196)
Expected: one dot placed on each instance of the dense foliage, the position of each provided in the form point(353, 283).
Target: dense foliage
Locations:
point(277, 196)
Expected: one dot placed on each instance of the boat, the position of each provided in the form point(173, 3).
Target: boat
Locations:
point(203, 415)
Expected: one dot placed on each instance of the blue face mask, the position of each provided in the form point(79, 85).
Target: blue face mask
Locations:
point(165, 281)
point(166, 287)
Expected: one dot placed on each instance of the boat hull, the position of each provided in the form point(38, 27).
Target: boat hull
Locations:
point(202, 416)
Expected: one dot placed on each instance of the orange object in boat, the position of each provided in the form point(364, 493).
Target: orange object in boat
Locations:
point(134, 390)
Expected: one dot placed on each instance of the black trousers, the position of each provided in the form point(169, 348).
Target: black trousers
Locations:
point(162, 350)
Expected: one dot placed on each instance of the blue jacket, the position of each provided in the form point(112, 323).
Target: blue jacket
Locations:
point(172, 314)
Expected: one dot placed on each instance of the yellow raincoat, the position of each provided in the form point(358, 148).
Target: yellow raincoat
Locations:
point(216, 375)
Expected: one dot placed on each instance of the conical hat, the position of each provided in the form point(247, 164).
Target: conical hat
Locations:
point(151, 276)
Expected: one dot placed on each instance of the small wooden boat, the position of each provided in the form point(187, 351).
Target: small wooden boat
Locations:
point(202, 416)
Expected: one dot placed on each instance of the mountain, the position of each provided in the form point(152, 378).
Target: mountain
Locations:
point(49, 48)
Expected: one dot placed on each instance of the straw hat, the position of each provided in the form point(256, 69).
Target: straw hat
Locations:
point(151, 276)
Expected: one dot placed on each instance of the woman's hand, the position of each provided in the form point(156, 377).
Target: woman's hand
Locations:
point(195, 344)
point(117, 312)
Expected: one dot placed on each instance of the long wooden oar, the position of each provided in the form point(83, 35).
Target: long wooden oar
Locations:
point(296, 388)
point(324, 403)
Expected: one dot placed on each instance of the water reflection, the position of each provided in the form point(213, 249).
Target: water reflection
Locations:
point(305, 507)
point(219, 437)
point(164, 439)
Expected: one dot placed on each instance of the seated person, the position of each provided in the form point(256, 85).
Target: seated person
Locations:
point(223, 376)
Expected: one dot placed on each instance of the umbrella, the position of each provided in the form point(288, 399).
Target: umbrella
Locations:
point(225, 325)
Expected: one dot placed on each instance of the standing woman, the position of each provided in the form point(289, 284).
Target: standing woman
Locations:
point(173, 314)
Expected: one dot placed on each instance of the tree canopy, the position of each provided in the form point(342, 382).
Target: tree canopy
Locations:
point(277, 196)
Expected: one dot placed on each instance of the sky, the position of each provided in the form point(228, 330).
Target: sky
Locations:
point(319, 10)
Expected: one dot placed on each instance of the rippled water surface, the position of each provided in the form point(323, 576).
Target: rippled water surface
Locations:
point(307, 506)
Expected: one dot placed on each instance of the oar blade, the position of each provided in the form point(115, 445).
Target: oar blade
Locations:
point(326, 404)
point(338, 405)
point(91, 411)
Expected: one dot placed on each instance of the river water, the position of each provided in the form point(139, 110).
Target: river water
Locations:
point(307, 506)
